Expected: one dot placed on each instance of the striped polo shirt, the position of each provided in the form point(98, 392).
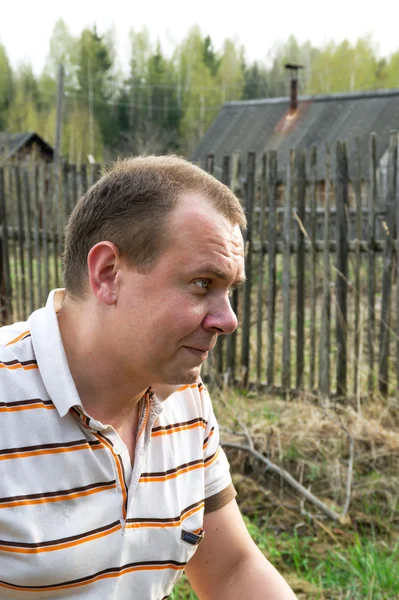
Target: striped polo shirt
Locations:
point(77, 520)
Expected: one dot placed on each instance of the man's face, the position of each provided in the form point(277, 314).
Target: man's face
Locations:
point(171, 316)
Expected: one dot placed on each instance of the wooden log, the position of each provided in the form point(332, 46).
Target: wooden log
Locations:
point(286, 282)
point(246, 321)
point(271, 279)
point(341, 285)
point(21, 249)
point(390, 234)
point(372, 203)
point(5, 279)
point(300, 267)
point(325, 325)
point(358, 197)
point(261, 271)
point(36, 226)
point(28, 237)
point(313, 266)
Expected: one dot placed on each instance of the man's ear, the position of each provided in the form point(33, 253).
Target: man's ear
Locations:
point(102, 264)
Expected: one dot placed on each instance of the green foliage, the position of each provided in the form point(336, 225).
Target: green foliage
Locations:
point(6, 86)
point(167, 102)
point(362, 569)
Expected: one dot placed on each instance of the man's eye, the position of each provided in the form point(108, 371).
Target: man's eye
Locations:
point(202, 283)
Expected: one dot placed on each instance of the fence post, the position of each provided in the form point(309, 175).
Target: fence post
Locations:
point(28, 238)
point(271, 279)
point(44, 198)
point(286, 283)
point(5, 283)
point(17, 176)
point(359, 214)
point(261, 269)
point(232, 338)
point(325, 337)
point(313, 256)
point(389, 226)
point(372, 202)
point(300, 268)
point(341, 194)
point(221, 340)
point(37, 226)
point(246, 321)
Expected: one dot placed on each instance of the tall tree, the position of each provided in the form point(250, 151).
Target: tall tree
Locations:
point(6, 87)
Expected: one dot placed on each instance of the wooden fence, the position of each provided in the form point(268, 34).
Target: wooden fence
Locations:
point(319, 313)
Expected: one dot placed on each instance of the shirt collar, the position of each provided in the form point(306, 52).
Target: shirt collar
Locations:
point(50, 355)
point(52, 360)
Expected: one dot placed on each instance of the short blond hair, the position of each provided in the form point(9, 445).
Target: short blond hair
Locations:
point(129, 206)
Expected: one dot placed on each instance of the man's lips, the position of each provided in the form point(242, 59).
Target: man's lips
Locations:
point(200, 352)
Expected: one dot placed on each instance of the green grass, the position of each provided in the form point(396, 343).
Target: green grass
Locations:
point(321, 569)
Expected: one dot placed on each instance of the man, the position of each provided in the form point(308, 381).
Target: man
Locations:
point(112, 479)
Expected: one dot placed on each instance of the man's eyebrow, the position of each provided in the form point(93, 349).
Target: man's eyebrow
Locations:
point(220, 274)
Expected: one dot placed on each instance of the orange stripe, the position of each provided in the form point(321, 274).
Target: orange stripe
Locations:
point(14, 341)
point(98, 578)
point(26, 407)
point(60, 498)
point(18, 366)
point(49, 451)
point(104, 441)
point(178, 428)
point(172, 476)
point(61, 546)
point(145, 418)
point(166, 523)
point(207, 464)
point(186, 387)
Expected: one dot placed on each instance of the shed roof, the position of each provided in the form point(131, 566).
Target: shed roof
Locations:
point(10, 143)
point(261, 125)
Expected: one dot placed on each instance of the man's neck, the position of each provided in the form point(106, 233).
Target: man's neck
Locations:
point(105, 394)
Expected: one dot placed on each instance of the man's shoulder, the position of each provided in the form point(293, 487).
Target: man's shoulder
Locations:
point(17, 356)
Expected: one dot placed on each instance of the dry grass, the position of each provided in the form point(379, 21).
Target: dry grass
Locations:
point(312, 443)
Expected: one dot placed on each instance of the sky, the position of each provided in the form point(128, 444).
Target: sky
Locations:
point(26, 26)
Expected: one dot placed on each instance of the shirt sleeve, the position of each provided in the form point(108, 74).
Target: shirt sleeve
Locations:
point(219, 489)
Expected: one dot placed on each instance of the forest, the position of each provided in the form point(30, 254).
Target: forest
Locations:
point(167, 99)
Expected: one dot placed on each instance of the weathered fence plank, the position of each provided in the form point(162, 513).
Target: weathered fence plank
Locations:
point(246, 321)
point(286, 281)
point(18, 189)
point(300, 268)
point(28, 212)
point(325, 338)
point(357, 332)
point(220, 348)
point(372, 202)
point(313, 266)
point(271, 278)
point(261, 271)
point(5, 279)
point(36, 226)
point(341, 284)
point(44, 204)
point(231, 351)
point(390, 234)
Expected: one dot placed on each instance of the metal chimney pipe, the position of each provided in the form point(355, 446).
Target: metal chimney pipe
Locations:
point(293, 68)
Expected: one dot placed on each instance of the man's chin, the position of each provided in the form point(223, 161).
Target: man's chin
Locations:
point(183, 377)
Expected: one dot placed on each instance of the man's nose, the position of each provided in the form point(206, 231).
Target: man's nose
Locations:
point(222, 319)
